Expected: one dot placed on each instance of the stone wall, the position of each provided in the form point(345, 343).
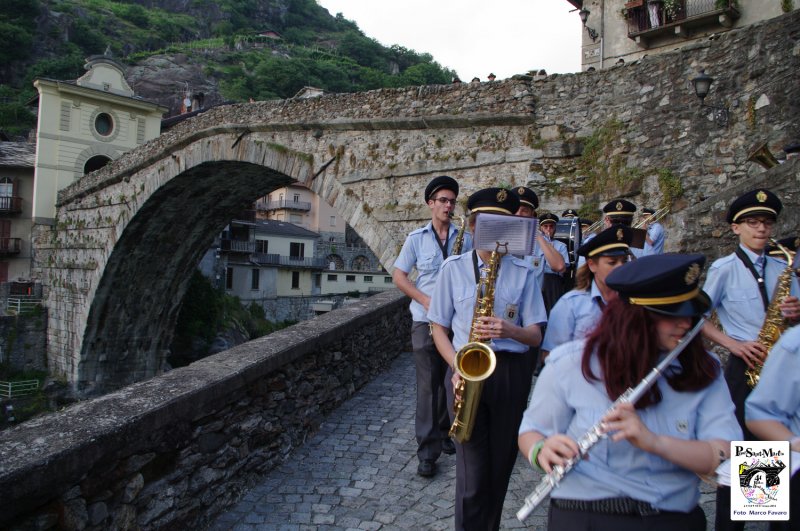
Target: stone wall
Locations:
point(173, 451)
point(23, 341)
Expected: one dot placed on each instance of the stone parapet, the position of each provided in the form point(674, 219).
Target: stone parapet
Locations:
point(176, 449)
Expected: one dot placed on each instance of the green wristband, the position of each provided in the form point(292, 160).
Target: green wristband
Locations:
point(533, 456)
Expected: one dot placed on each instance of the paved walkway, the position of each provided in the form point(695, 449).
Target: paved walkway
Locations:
point(359, 472)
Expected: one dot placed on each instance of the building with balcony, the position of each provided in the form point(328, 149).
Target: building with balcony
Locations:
point(621, 31)
point(16, 200)
point(295, 256)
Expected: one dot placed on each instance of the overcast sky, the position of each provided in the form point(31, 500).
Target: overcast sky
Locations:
point(474, 37)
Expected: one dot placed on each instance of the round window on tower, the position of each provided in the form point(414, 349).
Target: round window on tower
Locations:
point(104, 124)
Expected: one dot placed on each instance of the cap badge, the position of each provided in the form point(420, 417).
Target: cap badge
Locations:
point(521, 190)
point(692, 274)
point(620, 235)
point(618, 206)
point(501, 196)
point(761, 196)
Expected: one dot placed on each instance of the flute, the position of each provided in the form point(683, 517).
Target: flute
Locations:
point(595, 433)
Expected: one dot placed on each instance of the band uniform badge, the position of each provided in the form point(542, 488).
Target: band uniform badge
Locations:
point(692, 274)
point(501, 196)
point(511, 312)
point(620, 235)
point(618, 206)
point(761, 196)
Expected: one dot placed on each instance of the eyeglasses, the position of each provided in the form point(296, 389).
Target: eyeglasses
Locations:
point(755, 222)
point(444, 200)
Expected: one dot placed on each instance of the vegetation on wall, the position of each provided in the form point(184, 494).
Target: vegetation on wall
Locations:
point(603, 163)
point(206, 312)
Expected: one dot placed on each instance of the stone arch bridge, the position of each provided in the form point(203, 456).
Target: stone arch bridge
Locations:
point(117, 261)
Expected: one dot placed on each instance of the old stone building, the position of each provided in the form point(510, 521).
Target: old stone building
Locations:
point(84, 124)
point(621, 31)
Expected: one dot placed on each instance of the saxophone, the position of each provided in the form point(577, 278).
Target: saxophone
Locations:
point(475, 361)
point(774, 322)
point(459, 242)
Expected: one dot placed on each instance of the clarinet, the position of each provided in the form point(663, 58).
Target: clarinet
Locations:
point(595, 433)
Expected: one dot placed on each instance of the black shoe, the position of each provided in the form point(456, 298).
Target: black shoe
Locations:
point(426, 468)
point(448, 447)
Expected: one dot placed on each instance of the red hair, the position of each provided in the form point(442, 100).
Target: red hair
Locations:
point(625, 343)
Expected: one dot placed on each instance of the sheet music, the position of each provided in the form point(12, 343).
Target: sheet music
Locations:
point(518, 231)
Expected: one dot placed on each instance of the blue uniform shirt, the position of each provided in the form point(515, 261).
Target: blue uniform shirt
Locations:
point(777, 395)
point(538, 262)
point(573, 316)
point(518, 299)
point(421, 251)
point(734, 294)
point(656, 233)
point(564, 401)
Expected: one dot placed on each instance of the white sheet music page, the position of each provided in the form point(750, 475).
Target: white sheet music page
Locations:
point(517, 231)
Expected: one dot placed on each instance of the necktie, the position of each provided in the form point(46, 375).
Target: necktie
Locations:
point(760, 266)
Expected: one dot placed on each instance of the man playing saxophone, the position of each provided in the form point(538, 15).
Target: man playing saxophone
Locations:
point(741, 287)
point(425, 249)
point(484, 462)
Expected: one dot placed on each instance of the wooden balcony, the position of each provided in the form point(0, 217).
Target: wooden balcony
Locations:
point(651, 19)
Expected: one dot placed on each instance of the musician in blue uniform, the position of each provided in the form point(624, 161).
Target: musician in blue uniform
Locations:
point(552, 280)
point(656, 236)
point(548, 256)
point(772, 411)
point(645, 474)
point(484, 463)
point(424, 250)
point(740, 286)
point(578, 311)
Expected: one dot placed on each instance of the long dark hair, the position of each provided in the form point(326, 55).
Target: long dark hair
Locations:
point(625, 342)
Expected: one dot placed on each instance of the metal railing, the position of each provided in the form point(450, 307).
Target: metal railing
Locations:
point(10, 204)
point(20, 305)
point(284, 203)
point(21, 388)
point(237, 246)
point(10, 245)
point(648, 15)
point(289, 261)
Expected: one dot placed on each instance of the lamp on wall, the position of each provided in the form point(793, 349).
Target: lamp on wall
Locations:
point(584, 14)
point(702, 86)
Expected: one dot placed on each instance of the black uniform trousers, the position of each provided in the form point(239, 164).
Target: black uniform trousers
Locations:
point(485, 462)
point(432, 421)
point(694, 520)
point(552, 290)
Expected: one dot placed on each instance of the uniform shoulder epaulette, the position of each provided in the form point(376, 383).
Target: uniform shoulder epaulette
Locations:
point(417, 231)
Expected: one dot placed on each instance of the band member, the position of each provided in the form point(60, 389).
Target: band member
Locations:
point(740, 287)
point(569, 213)
point(654, 241)
point(577, 313)
point(484, 462)
point(546, 254)
point(552, 277)
point(645, 474)
point(424, 250)
point(772, 410)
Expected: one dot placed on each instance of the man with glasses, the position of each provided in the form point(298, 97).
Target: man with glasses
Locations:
point(740, 287)
point(424, 250)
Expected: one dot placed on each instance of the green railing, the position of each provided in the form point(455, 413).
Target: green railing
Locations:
point(21, 388)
